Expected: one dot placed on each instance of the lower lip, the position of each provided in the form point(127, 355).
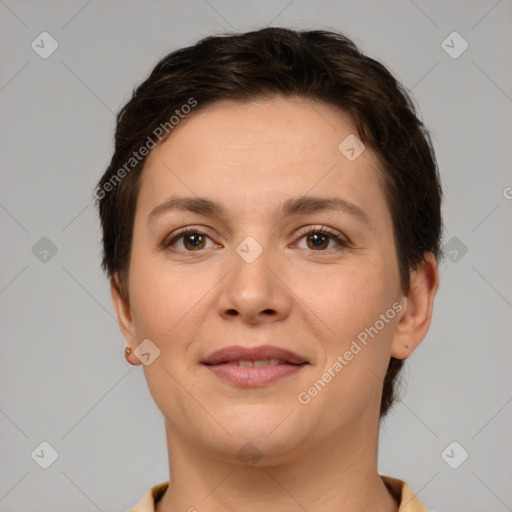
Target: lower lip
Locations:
point(254, 376)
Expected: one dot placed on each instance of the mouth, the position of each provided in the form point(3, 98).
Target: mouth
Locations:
point(258, 363)
point(254, 367)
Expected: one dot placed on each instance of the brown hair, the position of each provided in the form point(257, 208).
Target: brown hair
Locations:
point(318, 65)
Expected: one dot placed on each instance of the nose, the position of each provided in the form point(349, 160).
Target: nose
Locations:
point(255, 291)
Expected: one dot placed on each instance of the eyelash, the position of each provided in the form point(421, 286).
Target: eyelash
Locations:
point(310, 230)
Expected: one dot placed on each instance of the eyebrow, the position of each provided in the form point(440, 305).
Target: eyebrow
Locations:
point(292, 207)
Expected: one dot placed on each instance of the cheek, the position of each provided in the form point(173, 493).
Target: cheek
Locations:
point(169, 301)
point(346, 298)
point(354, 341)
point(157, 303)
point(352, 335)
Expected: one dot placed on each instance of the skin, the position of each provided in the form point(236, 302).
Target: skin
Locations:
point(251, 157)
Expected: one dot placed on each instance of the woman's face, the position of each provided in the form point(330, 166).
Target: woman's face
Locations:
point(255, 277)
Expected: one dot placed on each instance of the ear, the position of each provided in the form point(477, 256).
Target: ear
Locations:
point(124, 317)
point(418, 304)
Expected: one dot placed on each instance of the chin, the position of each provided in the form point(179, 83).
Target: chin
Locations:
point(249, 450)
point(270, 429)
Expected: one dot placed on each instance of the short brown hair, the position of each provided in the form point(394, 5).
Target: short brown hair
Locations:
point(319, 65)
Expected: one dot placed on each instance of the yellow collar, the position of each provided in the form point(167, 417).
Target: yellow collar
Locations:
point(398, 489)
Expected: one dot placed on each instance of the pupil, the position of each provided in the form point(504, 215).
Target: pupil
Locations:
point(195, 237)
point(317, 240)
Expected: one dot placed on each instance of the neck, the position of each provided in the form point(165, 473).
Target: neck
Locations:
point(334, 477)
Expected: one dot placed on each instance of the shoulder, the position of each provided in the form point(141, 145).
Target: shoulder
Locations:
point(403, 494)
point(149, 500)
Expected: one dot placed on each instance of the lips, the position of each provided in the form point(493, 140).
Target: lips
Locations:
point(254, 367)
point(264, 352)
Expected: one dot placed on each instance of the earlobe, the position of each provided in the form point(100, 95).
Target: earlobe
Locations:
point(416, 315)
point(124, 318)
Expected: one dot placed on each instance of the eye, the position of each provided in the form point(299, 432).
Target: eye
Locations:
point(319, 237)
point(192, 240)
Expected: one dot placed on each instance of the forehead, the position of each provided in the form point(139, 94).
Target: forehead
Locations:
point(290, 126)
point(260, 151)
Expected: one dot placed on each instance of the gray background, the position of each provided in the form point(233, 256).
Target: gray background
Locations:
point(63, 377)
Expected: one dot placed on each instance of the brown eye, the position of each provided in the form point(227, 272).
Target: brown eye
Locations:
point(318, 239)
point(191, 240)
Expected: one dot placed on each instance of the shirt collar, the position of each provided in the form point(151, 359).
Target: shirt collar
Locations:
point(398, 489)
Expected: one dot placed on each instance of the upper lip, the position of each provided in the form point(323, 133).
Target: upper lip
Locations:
point(238, 353)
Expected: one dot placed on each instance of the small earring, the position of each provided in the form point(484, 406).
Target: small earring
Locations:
point(127, 352)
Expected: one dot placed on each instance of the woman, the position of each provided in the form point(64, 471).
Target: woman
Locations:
point(271, 228)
